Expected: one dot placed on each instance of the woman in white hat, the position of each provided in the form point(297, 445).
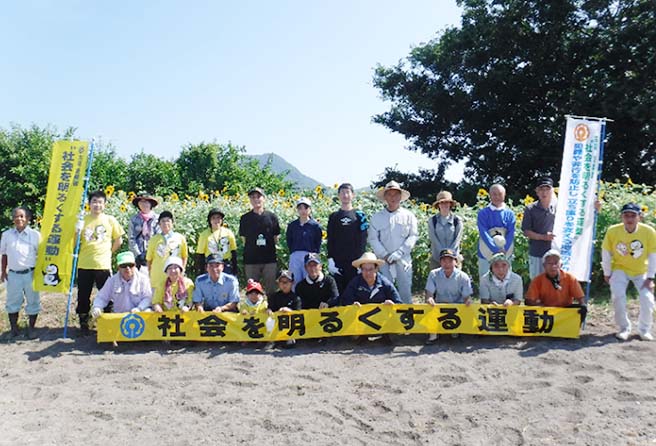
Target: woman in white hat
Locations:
point(176, 291)
point(369, 287)
point(444, 228)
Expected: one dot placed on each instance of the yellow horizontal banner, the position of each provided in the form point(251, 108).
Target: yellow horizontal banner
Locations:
point(369, 320)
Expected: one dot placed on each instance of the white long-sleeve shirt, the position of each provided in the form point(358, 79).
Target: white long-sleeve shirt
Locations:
point(126, 295)
point(392, 231)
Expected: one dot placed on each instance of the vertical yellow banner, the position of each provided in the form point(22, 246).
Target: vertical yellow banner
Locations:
point(54, 263)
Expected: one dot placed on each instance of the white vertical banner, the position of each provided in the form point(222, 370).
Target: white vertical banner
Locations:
point(574, 225)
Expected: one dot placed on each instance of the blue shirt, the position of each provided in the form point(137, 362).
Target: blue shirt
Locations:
point(216, 294)
point(359, 291)
point(493, 221)
point(449, 290)
point(304, 237)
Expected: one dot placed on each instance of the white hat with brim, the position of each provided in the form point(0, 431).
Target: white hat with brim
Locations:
point(392, 185)
point(173, 260)
point(367, 257)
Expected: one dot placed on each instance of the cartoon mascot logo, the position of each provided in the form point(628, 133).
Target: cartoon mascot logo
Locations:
point(51, 275)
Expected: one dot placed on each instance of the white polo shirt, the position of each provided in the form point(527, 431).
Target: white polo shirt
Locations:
point(20, 248)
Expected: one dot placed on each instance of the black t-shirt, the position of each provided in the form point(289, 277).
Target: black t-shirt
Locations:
point(259, 231)
point(312, 294)
point(280, 299)
point(347, 235)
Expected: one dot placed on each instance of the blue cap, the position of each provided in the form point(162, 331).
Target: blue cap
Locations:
point(631, 207)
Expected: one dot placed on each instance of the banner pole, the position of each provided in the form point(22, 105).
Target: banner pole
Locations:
point(78, 237)
point(596, 213)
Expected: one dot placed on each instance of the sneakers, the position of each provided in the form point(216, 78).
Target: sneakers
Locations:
point(623, 335)
point(647, 336)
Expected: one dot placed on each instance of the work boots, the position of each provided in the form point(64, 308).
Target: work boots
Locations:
point(84, 324)
point(13, 322)
point(31, 330)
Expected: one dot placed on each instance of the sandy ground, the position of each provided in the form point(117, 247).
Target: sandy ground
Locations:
point(469, 391)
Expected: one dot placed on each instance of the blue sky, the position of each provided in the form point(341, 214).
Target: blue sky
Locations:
point(290, 77)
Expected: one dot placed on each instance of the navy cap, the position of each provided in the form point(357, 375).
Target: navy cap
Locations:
point(214, 258)
point(312, 257)
point(448, 253)
point(544, 181)
point(631, 207)
point(286, 274)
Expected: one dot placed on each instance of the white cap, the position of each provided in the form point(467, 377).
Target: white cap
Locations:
point(304, 200)
point(173, 260)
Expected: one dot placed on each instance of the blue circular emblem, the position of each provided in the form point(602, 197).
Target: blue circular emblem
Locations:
point(132, 326)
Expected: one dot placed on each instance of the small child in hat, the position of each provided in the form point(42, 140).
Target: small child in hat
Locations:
point(285, 299)
point(255, 301)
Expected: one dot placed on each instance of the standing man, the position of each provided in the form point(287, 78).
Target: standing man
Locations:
point(101, 236)
point(260, 230)
point(496, 229)
point(19, 247)
point(537, 225)
point(347, 237)
point(392, 235)
point(629, 255)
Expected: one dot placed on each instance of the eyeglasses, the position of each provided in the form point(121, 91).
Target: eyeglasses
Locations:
point(131, 265)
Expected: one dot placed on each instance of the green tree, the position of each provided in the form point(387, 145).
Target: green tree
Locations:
point(108, 168)
point(495, 90)
point(212, 166)
point(149, 173)
point(25, 155)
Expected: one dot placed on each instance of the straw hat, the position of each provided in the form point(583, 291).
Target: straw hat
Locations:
point(367, 257)
point(144, 196)
point(445, 196)
point(392, 185)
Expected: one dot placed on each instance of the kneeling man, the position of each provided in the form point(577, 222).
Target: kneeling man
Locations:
point(128, 289)
point(216, 291)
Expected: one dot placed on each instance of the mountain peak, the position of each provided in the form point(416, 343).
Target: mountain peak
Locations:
point(280, 165)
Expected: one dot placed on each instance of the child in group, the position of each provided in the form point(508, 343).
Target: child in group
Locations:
point(285, 300)
point(162, 246)
point(255, 300)
point(175, 291)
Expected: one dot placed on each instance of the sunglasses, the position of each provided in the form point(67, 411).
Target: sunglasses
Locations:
point(130, 265)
